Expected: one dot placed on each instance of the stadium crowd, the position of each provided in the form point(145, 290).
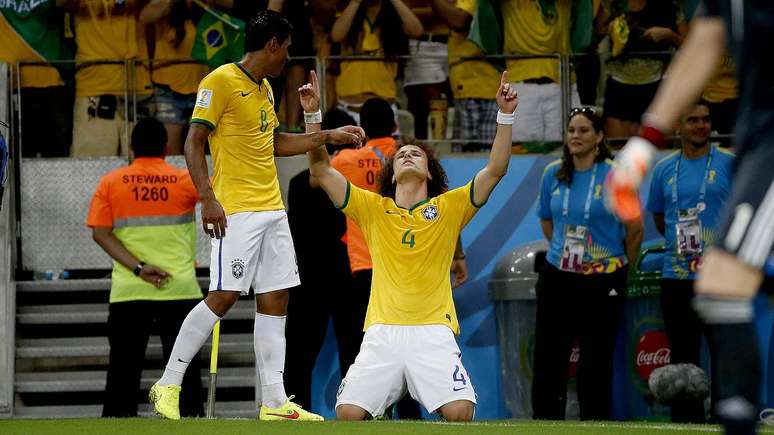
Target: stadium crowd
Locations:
point(125, 60)
point(117, 61)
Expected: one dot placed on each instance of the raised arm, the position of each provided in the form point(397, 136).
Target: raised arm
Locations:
point(412, 27)
point(331, 180)
point(154, 11)
point(454, 17)
point(497, 167)
point(344, 22)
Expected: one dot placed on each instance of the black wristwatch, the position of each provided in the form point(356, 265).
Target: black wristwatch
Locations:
point(138, 268)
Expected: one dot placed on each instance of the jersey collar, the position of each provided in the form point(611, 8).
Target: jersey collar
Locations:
point(247, 73)
point(413, 207)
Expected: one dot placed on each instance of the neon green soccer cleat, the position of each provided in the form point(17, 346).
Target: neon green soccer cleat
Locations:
point(166, 400)
point(288, 411)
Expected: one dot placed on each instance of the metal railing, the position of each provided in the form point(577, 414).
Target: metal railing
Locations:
point(7, 289)
point(130, 67)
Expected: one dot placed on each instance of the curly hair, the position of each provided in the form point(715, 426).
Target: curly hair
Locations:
point(438, 183)
point(568, 165)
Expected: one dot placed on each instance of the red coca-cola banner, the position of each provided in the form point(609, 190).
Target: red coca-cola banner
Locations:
point(652, 352)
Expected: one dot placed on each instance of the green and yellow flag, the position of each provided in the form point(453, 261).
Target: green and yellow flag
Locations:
point(40, 25)
point(220, 38)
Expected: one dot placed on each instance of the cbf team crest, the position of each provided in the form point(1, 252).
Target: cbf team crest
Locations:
point(238, 268)
point(430, 212)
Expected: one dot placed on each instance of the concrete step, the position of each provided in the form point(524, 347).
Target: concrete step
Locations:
point(58, 382)
point(99, 347)
point(69, 285)
point(235, 409)
point(74, 314)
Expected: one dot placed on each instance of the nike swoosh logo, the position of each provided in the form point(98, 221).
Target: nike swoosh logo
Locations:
point(392, 212)
point(184, 362)
point(292, 416)
point(458, 389)
point(246, 94)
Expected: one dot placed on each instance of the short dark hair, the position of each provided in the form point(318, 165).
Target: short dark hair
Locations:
point(437, 185)
point(263, 26)
point(377, 118)
point(335, 118)
point(149, 138)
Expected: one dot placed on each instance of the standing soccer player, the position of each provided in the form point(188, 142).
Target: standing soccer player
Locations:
point(732, 271)
point(411, 228)
point(234, 111)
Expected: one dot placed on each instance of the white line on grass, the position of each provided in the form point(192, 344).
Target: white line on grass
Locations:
point(527, 423)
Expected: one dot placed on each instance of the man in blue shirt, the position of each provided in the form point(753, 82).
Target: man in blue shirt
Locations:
point(687, 193)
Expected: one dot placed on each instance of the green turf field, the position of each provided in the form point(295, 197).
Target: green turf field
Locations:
point(144, 426)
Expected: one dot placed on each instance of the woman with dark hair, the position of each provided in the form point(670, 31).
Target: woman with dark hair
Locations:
point(581, 287)
point(378, 28)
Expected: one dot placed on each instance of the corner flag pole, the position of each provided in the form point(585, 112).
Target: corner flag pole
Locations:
point(213, 371)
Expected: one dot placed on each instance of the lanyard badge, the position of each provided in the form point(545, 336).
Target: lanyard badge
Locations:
point(688, 232)
point(576, 236)
point(688, 227)
point(574, 248)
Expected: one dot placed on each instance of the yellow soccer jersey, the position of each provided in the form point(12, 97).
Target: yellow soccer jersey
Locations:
point(470, 78)
point(529, 31)
point(412, 252)
point(240, 113)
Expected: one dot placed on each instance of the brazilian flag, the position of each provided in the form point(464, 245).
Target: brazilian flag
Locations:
point(220, 39)
point(40, 24)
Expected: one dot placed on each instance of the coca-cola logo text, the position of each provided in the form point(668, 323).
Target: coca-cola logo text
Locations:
point(658, 358)
point(652, 352)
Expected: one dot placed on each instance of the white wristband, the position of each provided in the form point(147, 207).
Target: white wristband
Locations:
point(505, 118)
point(313, 117)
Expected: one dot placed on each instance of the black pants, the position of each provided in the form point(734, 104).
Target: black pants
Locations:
point(684, 330)
point(569, 306)
point(130, 325)
point(311, 305)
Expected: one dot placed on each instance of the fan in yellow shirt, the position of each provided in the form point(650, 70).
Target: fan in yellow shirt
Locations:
point(111, 78)
point(532, 27)
point(411, 228)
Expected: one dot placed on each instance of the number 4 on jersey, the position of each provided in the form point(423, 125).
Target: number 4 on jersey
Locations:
point(408, 239)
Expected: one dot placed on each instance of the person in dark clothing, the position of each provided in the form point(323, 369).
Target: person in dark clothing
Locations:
point(326, 292)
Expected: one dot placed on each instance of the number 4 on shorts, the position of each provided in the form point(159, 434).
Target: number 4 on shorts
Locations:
point(458, 376)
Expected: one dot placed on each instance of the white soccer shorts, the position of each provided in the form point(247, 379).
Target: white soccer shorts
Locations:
point(257, 252)
point(424, 359)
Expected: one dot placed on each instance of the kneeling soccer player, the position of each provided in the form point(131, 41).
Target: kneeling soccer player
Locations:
point(411, 228)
